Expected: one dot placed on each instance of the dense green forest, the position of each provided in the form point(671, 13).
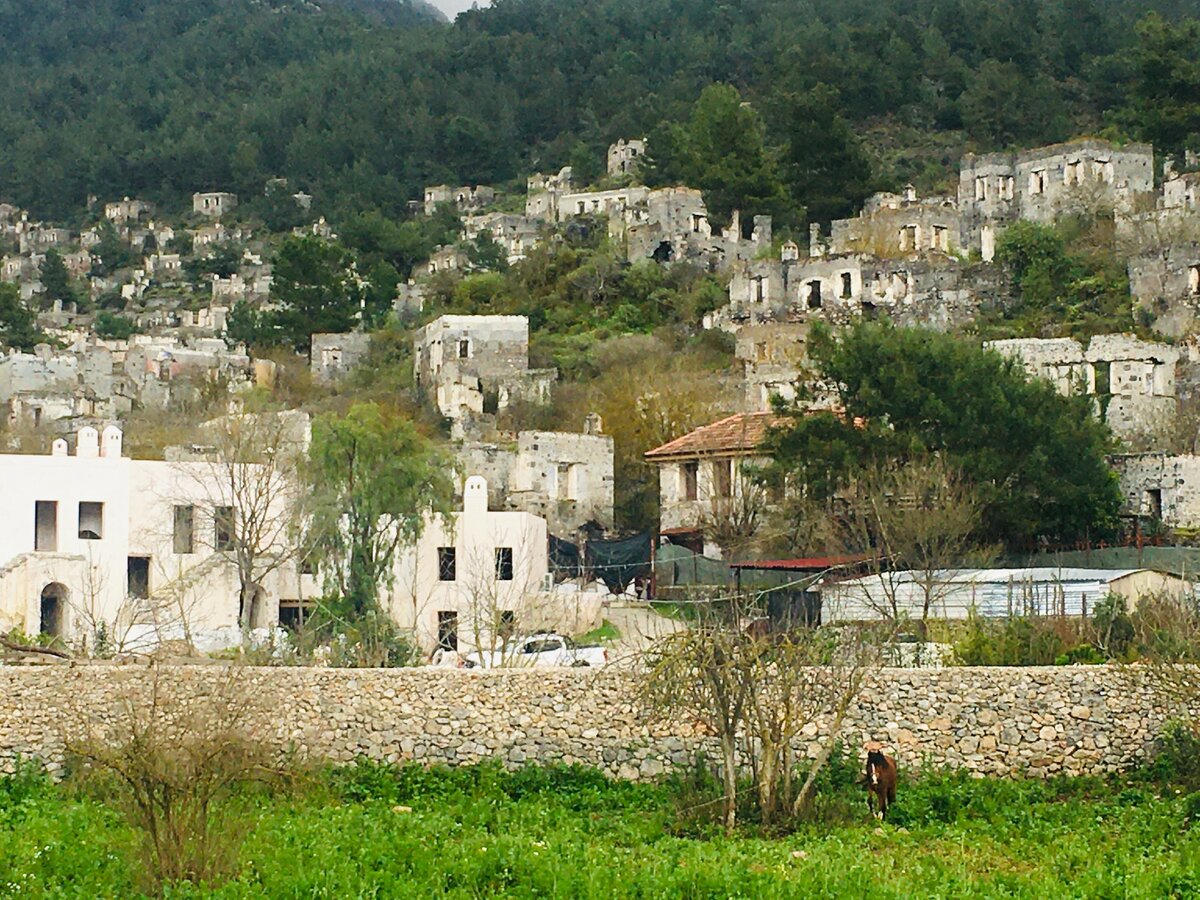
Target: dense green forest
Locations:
point(362, 103)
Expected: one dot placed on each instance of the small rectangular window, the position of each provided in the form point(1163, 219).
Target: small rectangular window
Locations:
point(690, 471)
point(45, 525)
point(722, 474)
point(224, 523)
point(184, 529)
point(91, 520)
point(138, 577)
point(447, 629)
point(293, 613)
point(447, 564)
point(504, 564)
point(847, 285)
point(464, 349)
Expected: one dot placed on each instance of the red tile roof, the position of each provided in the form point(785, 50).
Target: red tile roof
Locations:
point(740, 433)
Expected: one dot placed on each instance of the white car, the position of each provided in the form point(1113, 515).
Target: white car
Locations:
point(540, 650)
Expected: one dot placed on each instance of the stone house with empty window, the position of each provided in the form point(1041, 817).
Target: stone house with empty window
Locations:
point(704, 472)
point(471, 366)
point(213, 204)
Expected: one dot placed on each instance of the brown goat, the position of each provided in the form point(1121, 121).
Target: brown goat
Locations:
point(880, 780)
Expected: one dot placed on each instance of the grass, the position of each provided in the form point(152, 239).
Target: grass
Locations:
point(375, 831)
point(605, 634)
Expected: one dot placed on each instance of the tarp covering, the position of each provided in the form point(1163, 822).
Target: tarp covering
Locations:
point(618, 563)
point(676, 566)
point(565, 561)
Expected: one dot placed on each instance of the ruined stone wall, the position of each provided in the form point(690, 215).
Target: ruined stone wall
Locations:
point(1166, 285)
point(1160, 486)
point(1003, 721)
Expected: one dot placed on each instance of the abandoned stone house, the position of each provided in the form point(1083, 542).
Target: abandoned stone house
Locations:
point(335, 355)
point(1041, 184)
point(774, 360)
point(470, 366)
point(515, 235)
point(448, 259)
point(936, 291)
point(703, 476)
point(464, 199)
point(1133, 381)
point(57, 388)
point(542, 193)
point(898, 225)
point(1160, 487)
point(166, 371)
point(40, 238)
point(565, 478)
point(213, 204)
point(599, 203)
point(1165, 284)
point(125, 210)
point(624, 156)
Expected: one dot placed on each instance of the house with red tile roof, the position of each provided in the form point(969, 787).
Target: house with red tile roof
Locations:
point(705, 473)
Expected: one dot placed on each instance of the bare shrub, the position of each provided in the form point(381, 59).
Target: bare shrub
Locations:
point(176, 755)
point(756, 693)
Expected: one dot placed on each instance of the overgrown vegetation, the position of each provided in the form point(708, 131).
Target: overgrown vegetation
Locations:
point(558, 831)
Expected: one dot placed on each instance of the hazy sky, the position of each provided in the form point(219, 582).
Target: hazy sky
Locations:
point(453, 7)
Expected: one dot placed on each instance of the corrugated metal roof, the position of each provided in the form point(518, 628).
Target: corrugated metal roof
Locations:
point(803, 563)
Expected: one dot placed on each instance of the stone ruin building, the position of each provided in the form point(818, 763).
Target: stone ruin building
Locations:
point(474, 366)
point(1133, 381)
point(624, 156)
point(335, 355)
point(213, 204)
point(564, 477)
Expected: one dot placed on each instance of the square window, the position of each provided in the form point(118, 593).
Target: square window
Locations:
point(447, 564)
point(504, 564)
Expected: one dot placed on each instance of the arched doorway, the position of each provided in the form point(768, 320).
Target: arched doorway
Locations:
point(53, 610)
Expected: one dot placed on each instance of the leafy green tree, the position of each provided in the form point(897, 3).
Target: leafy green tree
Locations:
point(723, 151)
point(824, 164)
point(224, 260)
point(585, 164)
point(56, 279)
point(1058, 289)
point(1164, 101)
point(373, 480)
point(108, 325)
point(18, 326)
point(318, 290)
point(1036, 458)
point(379, 294)
point(484, 253)
point(250, 327)
point(110, 252)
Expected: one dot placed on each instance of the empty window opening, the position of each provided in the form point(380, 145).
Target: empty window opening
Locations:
point(581, 208)
point(37, 416)
point(91, 520)
point(447, 629)
point(45, 525)
point(760, 291)
point(464, 348)
point(1037, 182)
point(1154, 504)
point(697, 223)
point(224, 523)
point(1194, 279)
point(491, 400)
point(663, 253)
point(941, 238)
point(294, 613)
point(53, 609)
point(183, 536)
point(980, 188)
point(722, 475)
point(137, 581)
point(908, 237)
point(814, 294)
point(447, 564)
point(689, 472)
point(869, 310)
point(504, 564)
point(847, 286)
point(1071, 172)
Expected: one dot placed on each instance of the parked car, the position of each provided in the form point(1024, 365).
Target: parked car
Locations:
point(545, 649)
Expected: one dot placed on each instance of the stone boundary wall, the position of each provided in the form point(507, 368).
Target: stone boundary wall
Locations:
point(1001, 721)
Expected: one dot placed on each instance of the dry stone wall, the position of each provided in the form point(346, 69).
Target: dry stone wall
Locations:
point(1002, 721)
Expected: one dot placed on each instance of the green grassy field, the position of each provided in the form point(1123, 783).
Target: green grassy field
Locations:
point(479, 832)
